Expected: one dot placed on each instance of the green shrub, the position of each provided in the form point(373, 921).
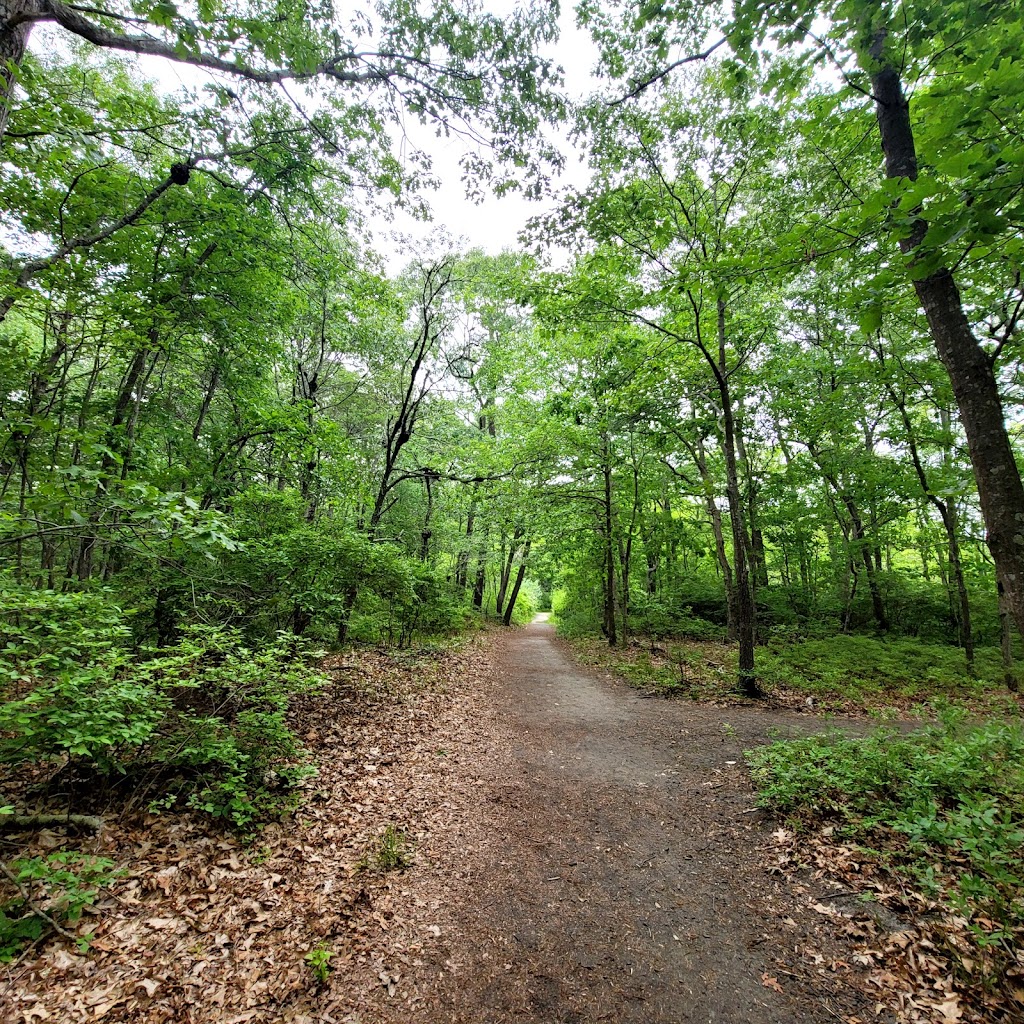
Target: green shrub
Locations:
point(856, 665)
point(946, 802)
point(44, 632)
point(62, 885)
point(206, 717)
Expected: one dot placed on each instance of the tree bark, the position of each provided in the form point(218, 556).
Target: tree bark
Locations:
point(970, 368)
point(745, 626)
point(520, 575)
point(947, 513)
point(14, 33)
point(610, 629)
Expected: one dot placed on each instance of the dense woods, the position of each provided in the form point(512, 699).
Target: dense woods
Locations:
point(756, 382)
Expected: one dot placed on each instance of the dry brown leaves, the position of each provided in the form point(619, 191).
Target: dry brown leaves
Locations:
point(907, 953)
point(204, 928)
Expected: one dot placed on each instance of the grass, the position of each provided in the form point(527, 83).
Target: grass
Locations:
point(862, 665)
point(839, 673)
point(392, 850)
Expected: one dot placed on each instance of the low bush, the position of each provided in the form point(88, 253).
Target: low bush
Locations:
point(943, 805)
point(202, 721)
point(855, 665)
point(50, 892)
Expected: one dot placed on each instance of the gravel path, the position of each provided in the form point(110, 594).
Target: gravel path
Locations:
point(614, 871)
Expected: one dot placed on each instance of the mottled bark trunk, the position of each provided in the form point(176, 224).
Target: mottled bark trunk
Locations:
point(14, 33)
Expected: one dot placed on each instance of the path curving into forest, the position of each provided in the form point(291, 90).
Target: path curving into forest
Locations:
point(618, 877)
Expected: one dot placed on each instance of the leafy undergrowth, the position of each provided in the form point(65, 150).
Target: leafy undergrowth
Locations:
point(927, 826)
point(843, 674)
point(206, 924)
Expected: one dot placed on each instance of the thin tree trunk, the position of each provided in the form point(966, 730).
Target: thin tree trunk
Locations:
point(462, 562)
point(609, 548)
point(1006, 636)
point(480, 580)
point(745, 626)
point(518, 583)
point(506, 569)
point(947, 512)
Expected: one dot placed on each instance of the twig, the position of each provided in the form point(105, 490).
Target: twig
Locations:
point(26, 821)
point(33, 906)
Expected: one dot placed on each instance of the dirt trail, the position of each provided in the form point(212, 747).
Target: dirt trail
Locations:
point(615, 875)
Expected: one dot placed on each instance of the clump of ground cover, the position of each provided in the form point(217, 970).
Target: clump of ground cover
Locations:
point(839, 673)
point(941, 809)
point(870, 666)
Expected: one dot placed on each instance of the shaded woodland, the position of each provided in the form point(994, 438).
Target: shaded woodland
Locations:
point(769, 402)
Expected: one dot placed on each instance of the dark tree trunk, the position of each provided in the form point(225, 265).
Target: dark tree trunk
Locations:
point(13, 40)
point(1006, 631)
point(462, 562)
point(865, 551)
point(610, 629)
point(969, 366)
point(960, 603)
point(506, 570)
point(745, 626)
point(480, 578)
point(515, 587)
point(717, 530)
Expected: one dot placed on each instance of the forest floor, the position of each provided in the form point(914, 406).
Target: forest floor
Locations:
point(578, 853)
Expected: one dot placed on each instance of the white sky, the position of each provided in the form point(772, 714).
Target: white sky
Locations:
point(492, 225)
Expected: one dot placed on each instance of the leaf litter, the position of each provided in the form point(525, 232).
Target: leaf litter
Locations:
point(204, 927)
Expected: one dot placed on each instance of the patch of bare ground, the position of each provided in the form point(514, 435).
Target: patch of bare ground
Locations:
point(580, 854)
point(614, 868)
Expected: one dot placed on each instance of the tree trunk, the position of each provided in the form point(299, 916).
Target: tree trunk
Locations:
point(609, 550)
point(947, 512)
point(462, 562)
point(518, 583)
point(758, 561)
point(745, 627)
point(506, 569)
point(970, 369)
point(865, 552)
point(480, 578)
point(731, 614)
point(13, 40)
point(1006, 631)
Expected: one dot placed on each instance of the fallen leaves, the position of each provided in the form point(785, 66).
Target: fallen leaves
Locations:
point(206, 929)
point(908, 952)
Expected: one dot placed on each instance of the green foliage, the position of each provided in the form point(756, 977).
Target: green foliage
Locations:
point(862, 666)
point(392, 850)
point(43, 632)
point(946, 803)
point(62, 884)
point(319, 961)
point(208, 714)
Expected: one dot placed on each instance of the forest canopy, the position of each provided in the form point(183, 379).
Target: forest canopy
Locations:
point(770, 399)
